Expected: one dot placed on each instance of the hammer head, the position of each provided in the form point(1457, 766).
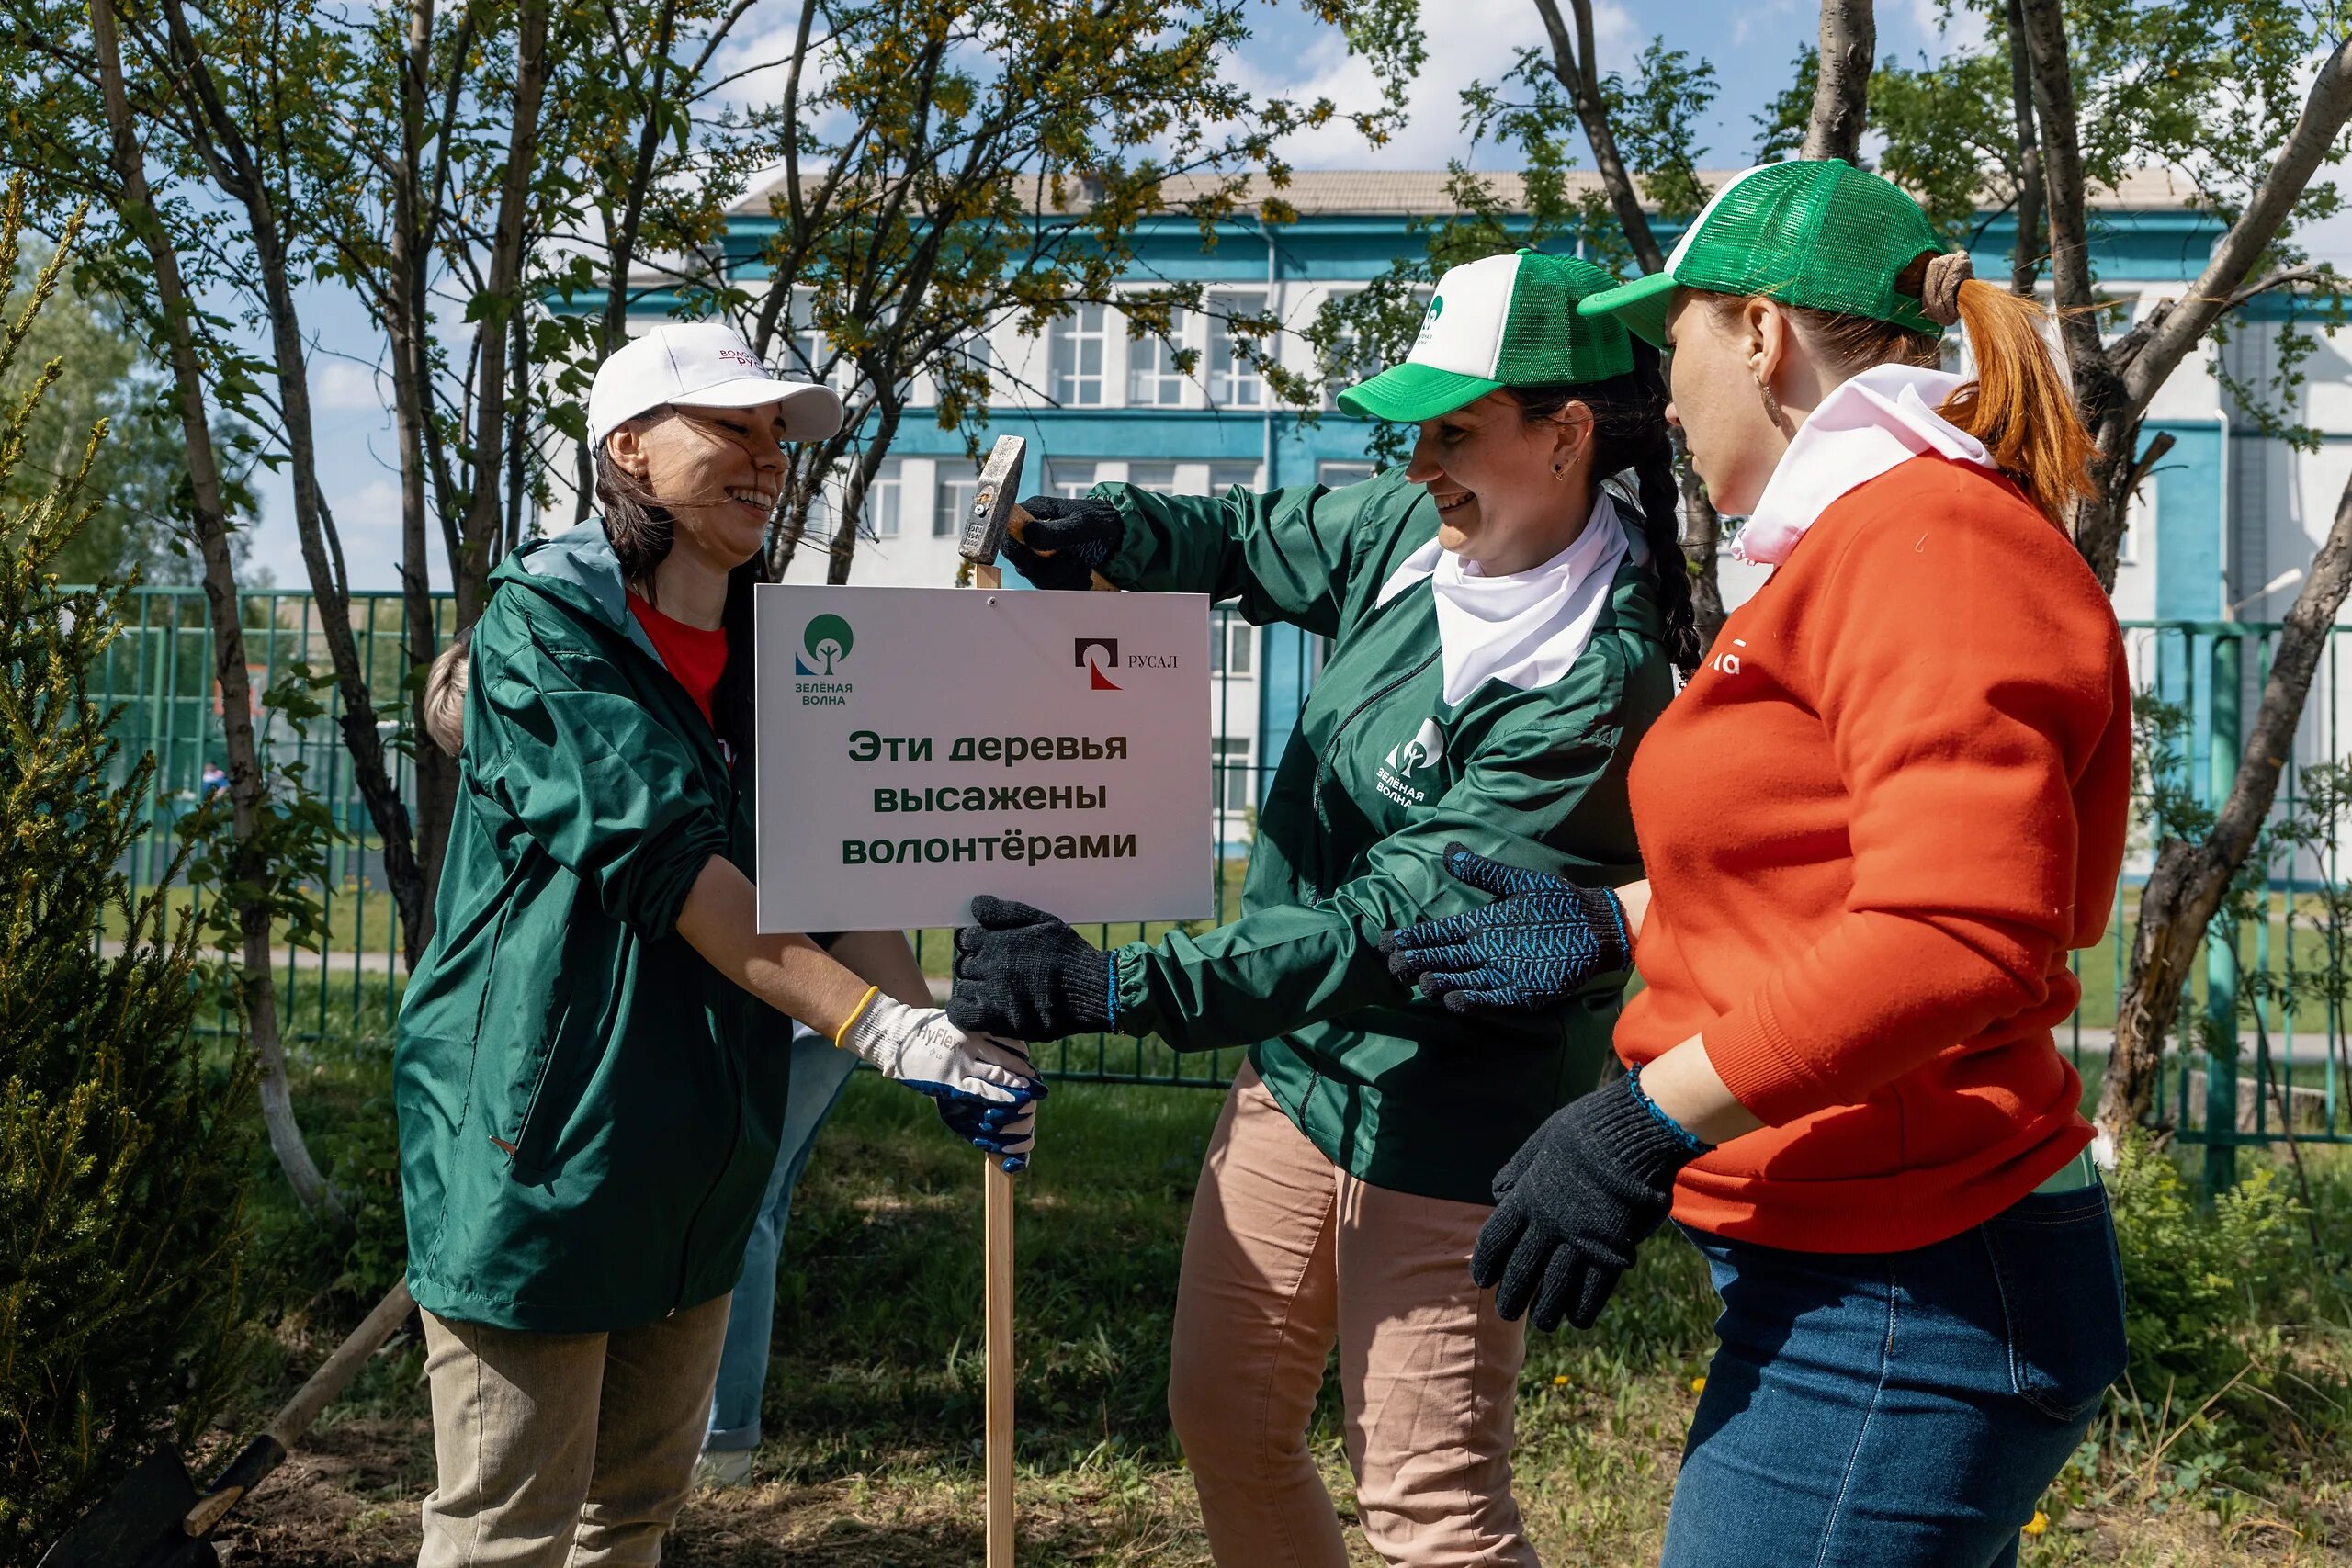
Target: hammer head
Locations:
point(992, 502)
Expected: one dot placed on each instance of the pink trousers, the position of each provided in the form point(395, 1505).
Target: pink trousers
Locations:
point(1287, 1255)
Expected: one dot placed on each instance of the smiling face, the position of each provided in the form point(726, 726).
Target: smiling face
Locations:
point(1511, 493)
point(1718, 356)
point(716, 470)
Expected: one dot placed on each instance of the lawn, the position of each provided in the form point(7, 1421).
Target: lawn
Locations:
point(873, 1408)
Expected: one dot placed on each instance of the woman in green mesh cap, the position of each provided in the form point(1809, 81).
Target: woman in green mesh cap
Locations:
point(1503, 632)
point(1874, 824)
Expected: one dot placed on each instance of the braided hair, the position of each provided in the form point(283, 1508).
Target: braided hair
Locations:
point(1630, 434)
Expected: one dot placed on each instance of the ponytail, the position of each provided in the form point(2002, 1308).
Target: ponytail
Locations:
point(1629, 435)
point(2018, 405)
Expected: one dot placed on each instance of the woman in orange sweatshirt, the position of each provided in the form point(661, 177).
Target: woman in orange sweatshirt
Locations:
point(1875, 823)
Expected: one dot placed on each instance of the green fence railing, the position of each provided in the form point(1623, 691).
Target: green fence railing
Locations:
point(2265, 1053)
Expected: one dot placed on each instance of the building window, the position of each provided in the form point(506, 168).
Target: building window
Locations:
point(1158, 478)
point(882, 503)
point(1229, 755)
point(1233, 381)
point(1224, 476)
point(1233, 643)
point(1071, 480)
point(1336, 475)
point(1079, 344)
point(1153, 379)
point(952, 504)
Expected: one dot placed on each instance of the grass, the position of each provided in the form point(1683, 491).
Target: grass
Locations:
point(873, 1406)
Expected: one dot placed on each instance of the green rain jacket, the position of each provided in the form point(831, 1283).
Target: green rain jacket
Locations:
point(1351, 837)
point(588, 1111)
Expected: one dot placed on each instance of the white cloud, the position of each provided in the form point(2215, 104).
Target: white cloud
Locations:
point(343, 384)
point(1468, 40)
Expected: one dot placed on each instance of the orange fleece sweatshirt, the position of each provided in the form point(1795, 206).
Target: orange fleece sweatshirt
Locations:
point(1875, 823)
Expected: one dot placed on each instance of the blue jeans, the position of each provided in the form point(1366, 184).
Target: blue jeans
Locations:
point(818, 1071)
point(1903, 1410)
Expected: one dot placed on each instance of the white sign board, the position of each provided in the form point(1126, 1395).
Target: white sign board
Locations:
point(918, 746)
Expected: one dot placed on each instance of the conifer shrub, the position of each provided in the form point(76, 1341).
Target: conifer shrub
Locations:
point(122, 1157)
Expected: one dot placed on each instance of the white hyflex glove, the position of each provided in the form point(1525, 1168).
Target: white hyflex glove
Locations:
point(985, 1089)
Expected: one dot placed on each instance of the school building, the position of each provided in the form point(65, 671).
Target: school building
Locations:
point(2232, 508)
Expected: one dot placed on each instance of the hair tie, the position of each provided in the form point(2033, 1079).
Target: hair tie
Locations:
point(1939, 291)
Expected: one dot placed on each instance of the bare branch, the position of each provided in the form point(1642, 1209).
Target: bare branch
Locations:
point(1573, 68)
point(2236, 254)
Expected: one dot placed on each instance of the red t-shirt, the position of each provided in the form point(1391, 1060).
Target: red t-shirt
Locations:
point(1874, 824)
point(696, 656)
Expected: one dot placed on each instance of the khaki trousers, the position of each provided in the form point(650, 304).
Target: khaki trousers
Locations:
point(564, 1450)
point(1287, 1254)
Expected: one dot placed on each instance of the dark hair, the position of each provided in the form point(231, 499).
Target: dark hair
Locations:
point(642, 530)
point(2017, 404)
point(1629, 432)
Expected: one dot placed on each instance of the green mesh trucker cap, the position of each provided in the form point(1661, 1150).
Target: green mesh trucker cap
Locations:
point(1500, 322)
point(1817, 232)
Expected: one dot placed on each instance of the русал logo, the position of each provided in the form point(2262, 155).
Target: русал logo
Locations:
point(1109, 649)
point(827, 640)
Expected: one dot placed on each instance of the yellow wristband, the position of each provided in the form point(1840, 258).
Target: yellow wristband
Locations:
point(862, 1002)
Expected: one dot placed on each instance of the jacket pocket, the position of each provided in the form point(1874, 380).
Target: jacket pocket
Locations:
point(2061, 1284)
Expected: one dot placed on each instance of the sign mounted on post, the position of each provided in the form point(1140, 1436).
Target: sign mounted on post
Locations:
point(918, 746)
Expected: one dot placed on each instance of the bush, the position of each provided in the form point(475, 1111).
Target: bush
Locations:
point(122, 1163)
point(2201, 1288)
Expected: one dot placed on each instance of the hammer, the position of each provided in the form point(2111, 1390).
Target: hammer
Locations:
point(994, 515)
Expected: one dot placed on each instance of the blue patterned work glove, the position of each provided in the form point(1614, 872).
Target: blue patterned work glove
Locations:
point(1064, 542)
point(1534, 947)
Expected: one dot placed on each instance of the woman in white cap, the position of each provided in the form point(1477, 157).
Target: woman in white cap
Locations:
point(594, 1054)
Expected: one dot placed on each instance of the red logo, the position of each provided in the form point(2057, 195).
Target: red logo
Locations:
point(1109, 649)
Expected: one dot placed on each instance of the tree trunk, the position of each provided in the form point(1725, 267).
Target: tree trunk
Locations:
point(256, 989)
point(243, 176)
point(2190, 880)
point(1841, 89)
point(2025, 257)
point(1702, 531)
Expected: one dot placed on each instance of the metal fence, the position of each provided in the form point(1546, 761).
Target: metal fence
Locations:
point(2264, 1053)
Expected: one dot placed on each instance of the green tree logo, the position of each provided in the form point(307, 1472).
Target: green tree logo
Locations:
point(828, 638)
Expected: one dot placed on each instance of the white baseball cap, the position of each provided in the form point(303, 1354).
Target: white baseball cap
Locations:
point(701, 365)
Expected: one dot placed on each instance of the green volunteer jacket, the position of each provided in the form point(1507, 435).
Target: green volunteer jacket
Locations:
point(589, 1112)
point(1351, 837)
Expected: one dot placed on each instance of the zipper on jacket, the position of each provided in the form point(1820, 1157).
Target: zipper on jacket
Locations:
point(1330, 748)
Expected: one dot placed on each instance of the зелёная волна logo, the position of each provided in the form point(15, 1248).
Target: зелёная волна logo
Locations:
point(828, 639)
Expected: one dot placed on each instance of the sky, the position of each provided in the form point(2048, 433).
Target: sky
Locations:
point(1751, 43)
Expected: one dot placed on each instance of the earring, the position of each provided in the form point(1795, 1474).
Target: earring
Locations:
point(1772, 405)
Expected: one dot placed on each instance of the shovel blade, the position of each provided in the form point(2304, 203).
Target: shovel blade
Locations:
point(137, 1517)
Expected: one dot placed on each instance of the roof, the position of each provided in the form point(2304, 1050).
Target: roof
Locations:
point(1371, 193)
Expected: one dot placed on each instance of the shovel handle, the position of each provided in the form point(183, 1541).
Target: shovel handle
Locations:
point(267, 1451)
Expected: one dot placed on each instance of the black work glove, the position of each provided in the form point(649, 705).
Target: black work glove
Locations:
point(1589, 1187)
point(1024, 973)
point(1537, 944)
point(1064, 542)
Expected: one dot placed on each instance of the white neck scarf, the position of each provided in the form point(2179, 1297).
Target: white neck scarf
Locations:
point(1868, 424)
point(1527, 628)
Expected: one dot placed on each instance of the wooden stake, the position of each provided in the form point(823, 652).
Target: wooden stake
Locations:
point(998, 1206)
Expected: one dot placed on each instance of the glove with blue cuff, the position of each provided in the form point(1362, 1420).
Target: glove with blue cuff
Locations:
point(1576, 1200)
point(1538, 944)
point(985, 1089)
point(1064, 542)
point(1022, 972)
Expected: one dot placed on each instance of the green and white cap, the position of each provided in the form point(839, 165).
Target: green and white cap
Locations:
point(1815, 233)
point(1501, 322)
